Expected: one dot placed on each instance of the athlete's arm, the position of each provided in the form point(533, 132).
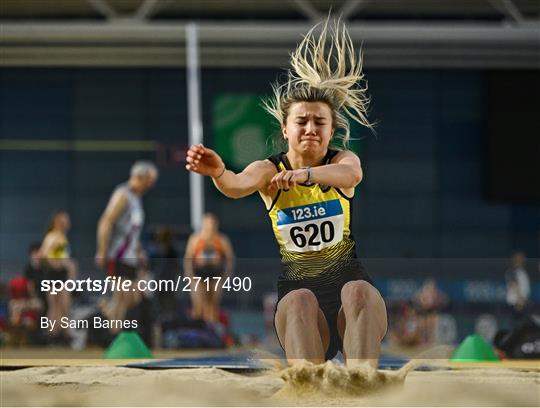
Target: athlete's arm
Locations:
point(51, 241)
point(188, 256)
point(345, 172)
point(255, 177)
point(142, 258)
point(112, 213)
point(71, 267)
point(229, 256)
point(207, 162)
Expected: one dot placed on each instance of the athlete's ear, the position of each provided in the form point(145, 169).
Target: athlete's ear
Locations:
point(284, 132)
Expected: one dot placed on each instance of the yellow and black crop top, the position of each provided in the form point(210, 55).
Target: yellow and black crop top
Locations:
point(61, 251)
point(312, 226)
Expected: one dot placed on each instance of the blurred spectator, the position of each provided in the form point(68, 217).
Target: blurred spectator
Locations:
point(523, 341)
point(119, 250)
point(407, 331)
point(209, 255)
point(57, 264)
point(34, 274)
point(518, 287)
point(428, 302)
point(4, 314)
point(165, 250)
point(24, 311)
point(166, 265)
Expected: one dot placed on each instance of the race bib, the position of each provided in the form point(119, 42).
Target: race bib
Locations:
point(311, 227)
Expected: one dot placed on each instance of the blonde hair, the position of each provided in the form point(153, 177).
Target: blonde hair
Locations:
point(334, 77)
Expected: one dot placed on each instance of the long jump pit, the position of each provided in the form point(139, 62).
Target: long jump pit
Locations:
point(64, 377)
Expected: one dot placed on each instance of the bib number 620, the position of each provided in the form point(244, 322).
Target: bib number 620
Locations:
point(309, 234)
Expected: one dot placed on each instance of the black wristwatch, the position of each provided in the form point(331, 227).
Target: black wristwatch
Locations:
point(308, 180)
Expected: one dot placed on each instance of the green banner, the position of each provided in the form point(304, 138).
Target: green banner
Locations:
point(243, 130)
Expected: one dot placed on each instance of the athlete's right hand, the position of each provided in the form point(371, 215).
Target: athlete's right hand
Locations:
point(204, 161)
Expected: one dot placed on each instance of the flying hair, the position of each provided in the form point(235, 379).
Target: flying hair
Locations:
point(325, 73)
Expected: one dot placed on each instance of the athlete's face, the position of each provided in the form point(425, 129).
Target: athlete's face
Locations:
point(308, 128)
point(63, 222)
point(148, 181)
point(209, 224)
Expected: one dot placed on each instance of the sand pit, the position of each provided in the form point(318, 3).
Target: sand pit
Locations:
point(326, 385)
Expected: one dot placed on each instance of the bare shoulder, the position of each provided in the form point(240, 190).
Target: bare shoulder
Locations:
point(224, 238)
point(119, 196)
point(117, 204)
point(261, 172)
point(193, 238)
point(52, 236)
point(51, 240)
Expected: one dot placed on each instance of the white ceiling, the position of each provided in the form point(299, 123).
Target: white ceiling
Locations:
point(260, 33)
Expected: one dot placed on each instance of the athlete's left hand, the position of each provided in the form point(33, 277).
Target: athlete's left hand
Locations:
point(286, 179)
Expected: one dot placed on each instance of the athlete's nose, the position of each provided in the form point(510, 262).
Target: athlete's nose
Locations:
point(310, 128)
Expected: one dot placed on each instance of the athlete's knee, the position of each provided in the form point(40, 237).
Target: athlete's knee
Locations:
point(301, 303)
point(357, 294)
point(360, 295)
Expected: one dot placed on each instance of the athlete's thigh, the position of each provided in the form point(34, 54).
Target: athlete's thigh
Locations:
point(214, 295)
point(64, 299)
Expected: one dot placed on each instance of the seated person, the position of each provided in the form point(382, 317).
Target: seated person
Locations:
point(24, 311)
point(428, 301)
point(408, 332)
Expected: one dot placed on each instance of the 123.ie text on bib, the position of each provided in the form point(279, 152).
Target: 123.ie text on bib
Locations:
point(311, 227)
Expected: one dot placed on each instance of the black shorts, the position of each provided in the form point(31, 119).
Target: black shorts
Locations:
point(329, 298)
point(51, 273)
point(118, 268)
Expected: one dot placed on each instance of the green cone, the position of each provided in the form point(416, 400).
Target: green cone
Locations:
point(128, 344)
point(474, 348)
